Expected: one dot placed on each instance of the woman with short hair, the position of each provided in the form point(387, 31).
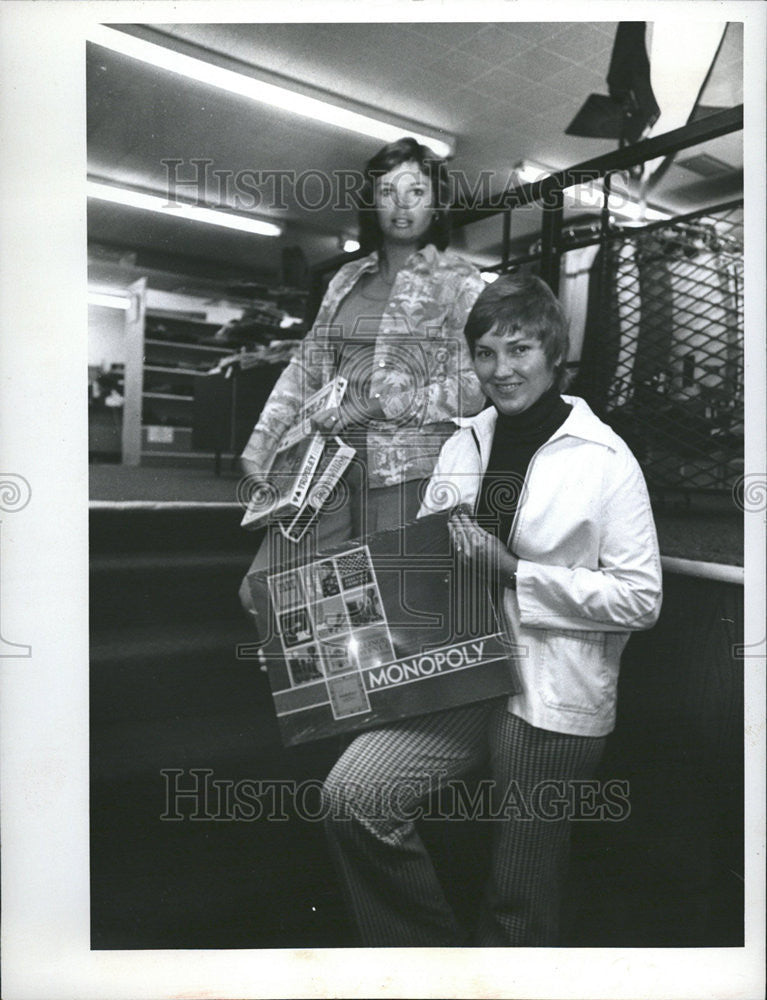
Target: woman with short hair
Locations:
point(553, 504)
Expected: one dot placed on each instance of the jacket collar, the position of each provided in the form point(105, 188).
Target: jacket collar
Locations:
point(581, 422)
point(429, 253)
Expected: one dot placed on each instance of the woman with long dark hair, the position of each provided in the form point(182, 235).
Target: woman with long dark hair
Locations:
point(392, 324)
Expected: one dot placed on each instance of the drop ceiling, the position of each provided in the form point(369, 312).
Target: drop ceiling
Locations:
point(507, 92)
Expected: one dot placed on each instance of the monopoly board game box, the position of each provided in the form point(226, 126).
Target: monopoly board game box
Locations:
point(378, 629)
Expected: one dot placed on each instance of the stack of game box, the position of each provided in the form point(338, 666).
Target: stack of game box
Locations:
point(303, 472)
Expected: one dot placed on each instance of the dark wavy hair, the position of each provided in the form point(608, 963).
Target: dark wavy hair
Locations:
point(405, 150)
point(523, 303)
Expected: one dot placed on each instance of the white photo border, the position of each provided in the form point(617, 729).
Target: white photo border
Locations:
point(44, 706)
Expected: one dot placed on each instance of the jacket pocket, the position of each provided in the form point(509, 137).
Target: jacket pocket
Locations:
point(572, 674)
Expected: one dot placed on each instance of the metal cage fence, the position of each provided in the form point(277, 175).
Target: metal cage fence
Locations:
point(660, 348)
point(662, 353)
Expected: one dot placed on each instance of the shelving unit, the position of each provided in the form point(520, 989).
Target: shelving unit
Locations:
point(170, 370)
point(165, 354)
point(174, 412)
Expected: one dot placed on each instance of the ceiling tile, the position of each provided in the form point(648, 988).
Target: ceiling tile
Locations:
point(569, 30)
point(493, 43)
point(497, 118)
point(553, 121)
point(504, 84)
point(543, 98)
point(450, 33)
point(468, 104)
point(501, 153)
point(606, 27)
point(506, 90)
point(579, 45)
point(421, 48)
point(599, 62)
point(535, 31)
point(461, 65)
point(579, 81)
point(537, 64)
point(427, 83)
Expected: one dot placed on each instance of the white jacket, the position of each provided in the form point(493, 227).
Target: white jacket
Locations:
point(589, 568)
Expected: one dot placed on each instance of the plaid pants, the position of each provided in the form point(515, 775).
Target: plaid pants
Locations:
point(388, 879)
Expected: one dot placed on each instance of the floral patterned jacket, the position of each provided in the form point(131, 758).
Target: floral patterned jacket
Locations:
point(415, 358)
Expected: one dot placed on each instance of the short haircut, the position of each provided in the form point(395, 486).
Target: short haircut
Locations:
point(405, 150)
point(522, 303)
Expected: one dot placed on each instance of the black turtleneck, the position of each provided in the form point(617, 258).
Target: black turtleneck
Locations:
point(517, 437)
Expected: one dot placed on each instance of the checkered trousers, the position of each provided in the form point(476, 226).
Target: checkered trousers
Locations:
point(388, 879)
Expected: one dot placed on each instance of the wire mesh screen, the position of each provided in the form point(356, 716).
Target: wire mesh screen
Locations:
point(661, 352)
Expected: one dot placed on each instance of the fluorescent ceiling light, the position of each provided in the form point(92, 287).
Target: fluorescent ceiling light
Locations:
point(527, 173)
point(638, 213)
point(180, 210)
point(591, 196)
point(257, 90)
point(109, 300)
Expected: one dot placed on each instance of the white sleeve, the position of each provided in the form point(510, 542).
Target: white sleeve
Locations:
point(448, 486)
point(624, 591)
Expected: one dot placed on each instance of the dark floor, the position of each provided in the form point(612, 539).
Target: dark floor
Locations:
point(708, 528)
point(114, 482)
point(169, 696)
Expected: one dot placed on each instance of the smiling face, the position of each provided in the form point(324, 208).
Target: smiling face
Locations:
point(512, 369)
point(404, 204)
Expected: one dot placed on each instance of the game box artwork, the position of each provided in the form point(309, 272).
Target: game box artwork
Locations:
point(387, 627)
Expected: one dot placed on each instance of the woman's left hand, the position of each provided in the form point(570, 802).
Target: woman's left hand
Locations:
point(357, 413)
point(474, 544)
point(330, 421)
